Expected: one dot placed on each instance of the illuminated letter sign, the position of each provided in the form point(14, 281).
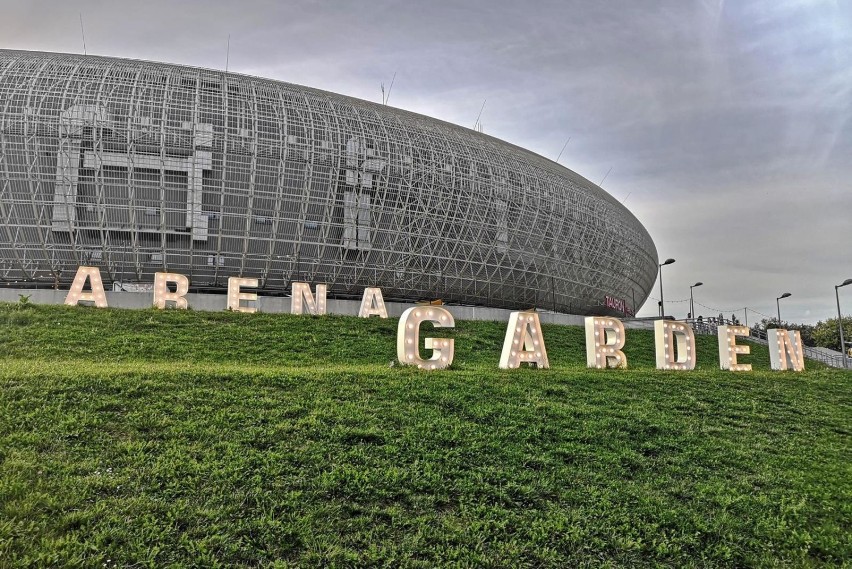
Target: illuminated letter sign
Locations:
point(372, 304)
point(408, 338)
point(604, 340)
point(302, 297)
point(76, 294)
point(728, 347)
point(235, 296)
point(671, 335)
point(785, 349)
point(162, 294)
point(524, 342)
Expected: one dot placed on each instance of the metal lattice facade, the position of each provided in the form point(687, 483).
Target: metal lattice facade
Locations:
point(140, 167)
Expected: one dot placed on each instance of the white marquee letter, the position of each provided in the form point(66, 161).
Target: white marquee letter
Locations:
point(785, 349)
point(728, 347)
point(372, 304)
point(235, 296)
point(524, 342)
point(667, 336)
point(604, 340)
point(408, 338)
point(162, 294)
point(76, 294)
point(302, 297)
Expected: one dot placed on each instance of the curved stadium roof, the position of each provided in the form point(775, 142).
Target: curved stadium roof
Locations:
point(138, 167)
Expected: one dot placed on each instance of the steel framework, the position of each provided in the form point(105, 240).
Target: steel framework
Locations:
point(139, 167)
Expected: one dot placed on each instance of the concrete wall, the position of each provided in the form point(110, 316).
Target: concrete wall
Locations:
point(275, 304)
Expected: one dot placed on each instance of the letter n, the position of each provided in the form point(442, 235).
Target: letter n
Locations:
point(785, 349)
point(302, 298)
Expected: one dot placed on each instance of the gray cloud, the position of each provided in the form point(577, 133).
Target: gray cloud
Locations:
point(727, 124)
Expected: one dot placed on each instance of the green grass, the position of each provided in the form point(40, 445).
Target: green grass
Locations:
point(149, 439)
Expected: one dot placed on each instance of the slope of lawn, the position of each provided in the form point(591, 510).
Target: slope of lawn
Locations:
point(179, 438)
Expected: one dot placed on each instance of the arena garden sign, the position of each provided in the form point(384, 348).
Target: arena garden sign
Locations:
point(523, 343)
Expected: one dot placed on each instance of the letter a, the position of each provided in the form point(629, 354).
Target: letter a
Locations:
point(76, 294)
point(524, 342)
point(372, 304)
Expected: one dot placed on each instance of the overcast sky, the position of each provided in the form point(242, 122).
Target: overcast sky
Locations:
point(727, 124)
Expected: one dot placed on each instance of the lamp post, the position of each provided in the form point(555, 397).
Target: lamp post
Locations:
point(778, 305)
point(840, 319)
point(691, 302)
point(663, 306)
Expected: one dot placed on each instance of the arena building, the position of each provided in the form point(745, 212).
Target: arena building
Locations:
point(138, 167)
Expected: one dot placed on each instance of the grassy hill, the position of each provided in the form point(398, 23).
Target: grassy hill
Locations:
point(150, 438)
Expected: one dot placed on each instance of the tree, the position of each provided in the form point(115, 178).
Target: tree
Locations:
point(827, 335)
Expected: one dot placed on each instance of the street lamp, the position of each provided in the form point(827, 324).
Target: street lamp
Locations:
point(778, 306)
point(663, 306)
point(840, 319)
point(691, 302)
